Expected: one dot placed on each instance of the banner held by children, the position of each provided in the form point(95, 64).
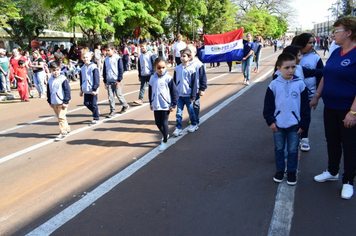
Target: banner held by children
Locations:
point(224, 47)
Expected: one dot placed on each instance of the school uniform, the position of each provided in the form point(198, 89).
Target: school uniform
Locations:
point(201, 84)
point(163, 95)
point(145, 70)
point(90, 82)
point(58, 93)
point(185, 80)
point(113, 72)
point(286, 104)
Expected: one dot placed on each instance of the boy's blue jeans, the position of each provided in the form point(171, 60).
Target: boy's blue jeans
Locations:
point(290, 137)
point(180, 106)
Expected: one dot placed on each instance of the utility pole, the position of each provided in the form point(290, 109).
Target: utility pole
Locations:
point(328, 29)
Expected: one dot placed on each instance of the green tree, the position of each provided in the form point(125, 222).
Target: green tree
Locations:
point(261, 22)
point(24, 19)
point(220, 17)
point(181, 13)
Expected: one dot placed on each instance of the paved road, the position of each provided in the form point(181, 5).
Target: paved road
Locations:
point(217, 181)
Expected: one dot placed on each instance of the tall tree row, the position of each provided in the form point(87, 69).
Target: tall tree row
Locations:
point(23, 19)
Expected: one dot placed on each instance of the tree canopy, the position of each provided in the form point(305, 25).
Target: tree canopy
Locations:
point(165, 18)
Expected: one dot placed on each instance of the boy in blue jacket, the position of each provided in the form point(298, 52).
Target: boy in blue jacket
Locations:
point(58, 96)
point(185, 80)
point(89, 85)
point(286, 112)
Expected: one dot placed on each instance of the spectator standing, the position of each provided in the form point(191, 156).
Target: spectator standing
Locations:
point(14, 63)
point(4, 72)
point(338, 90)
point(39, 74)
point(35, 44)
point(177, 47)
point(22, 78)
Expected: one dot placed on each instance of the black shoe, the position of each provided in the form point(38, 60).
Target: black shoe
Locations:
point(291, 178)
point(124, 109)
point(111, 114)
point(278, 177)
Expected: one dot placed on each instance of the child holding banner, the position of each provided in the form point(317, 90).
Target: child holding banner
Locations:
point(247, 58)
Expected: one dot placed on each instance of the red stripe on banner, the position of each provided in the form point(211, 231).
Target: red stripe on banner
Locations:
point(223, 38)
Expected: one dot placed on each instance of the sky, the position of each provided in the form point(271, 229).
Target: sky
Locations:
point(309, 11)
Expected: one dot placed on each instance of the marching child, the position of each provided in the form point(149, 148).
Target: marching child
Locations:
point(89, 85)
point(22, 77)
point(286, 112)
point(163, 97)
point(113, 71)
point(185, 80)
point(58, 96)
point(145, 70)
point(201, 79)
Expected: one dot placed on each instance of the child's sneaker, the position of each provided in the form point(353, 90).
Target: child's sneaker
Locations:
point(192, 128)
point(278, 177)
point(94, 122)
point(111, 114)
point(291, 178)
point(177, 132)
point(304, 145)
point(60, 137)
point(124, 109)
point(162, 147)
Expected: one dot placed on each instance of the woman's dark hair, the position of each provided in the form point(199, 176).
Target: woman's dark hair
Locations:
point(158, 60)
point(303, 39)
point(292, 49)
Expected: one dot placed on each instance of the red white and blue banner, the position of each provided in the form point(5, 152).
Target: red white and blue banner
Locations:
point(224, 47)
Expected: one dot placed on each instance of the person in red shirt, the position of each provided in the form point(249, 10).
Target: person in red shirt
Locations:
point(35, 44)
point(22, 77)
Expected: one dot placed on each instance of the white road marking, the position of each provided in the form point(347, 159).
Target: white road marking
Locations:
point(281, 221)
point(36, 146)
point(70, 212)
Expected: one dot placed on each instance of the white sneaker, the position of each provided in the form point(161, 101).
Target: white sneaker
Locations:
point(162, 147)
point(326, 176)
point(192, 128)
point(247, 82)
point(177, 132)
point(60, 137)
point(94, 122)
point(304, 145)
point(347, 191)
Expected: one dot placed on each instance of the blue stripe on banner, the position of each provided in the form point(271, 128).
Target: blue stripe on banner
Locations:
point(235, 55)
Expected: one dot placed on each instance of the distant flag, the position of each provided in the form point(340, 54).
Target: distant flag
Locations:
point(224, 47)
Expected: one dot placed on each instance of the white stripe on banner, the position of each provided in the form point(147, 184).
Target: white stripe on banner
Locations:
point(223, 48)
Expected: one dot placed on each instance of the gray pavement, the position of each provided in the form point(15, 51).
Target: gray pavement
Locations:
point(218, 181)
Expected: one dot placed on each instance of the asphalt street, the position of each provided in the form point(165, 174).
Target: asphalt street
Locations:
point(215, 181)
